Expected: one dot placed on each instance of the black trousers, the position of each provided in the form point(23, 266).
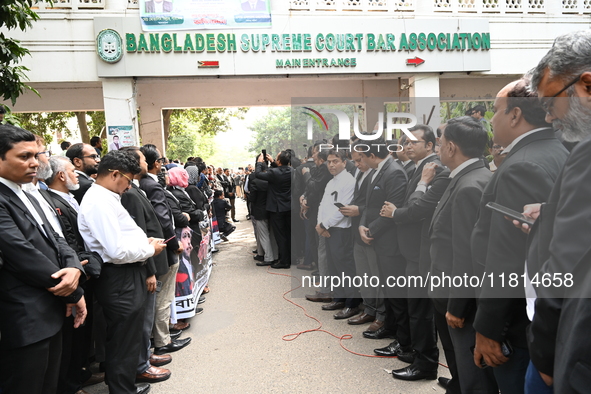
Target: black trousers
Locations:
point(422, 323)
point(31, 369)
point(395, 301)
point(453, 386)
point(121, 290)
point(339, 252)
point(281, 224)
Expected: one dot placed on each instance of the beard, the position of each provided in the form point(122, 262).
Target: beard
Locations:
point(44, 170)
point(71, 185)
point(90, 170)
point(575, 125)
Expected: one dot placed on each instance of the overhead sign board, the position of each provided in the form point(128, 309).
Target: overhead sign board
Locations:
point(302, 45)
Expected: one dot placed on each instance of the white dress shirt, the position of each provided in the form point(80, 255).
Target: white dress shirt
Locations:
point(108, 229)
point(69, 197)
point(328, 214)
point(50, 214)
point(380, 167)
point(462, 166)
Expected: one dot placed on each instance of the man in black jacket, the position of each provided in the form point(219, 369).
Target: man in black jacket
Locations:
point(39, 278)
point(258, 198)
point(279, 203)
point(533, 163)
point(462, 144)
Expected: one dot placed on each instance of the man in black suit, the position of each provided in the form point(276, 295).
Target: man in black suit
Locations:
point(157, 196)
point(387, 183)
point(279, 203)
point(39, 278)
point(533, 163)
point(153, 6)
point(86, 162)
point(559, 333)
point(258, 199)
point(254, 5)
point(461, 146)
point(425, 188)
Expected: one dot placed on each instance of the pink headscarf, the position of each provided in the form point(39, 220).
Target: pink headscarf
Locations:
point(178, 177)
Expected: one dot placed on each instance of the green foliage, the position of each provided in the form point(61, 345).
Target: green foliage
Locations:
point(45, 124)
point(287, 128)
point(97, 123)
point(16, 14)
point(192, 131)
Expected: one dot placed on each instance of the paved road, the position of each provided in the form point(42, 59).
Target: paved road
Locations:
point(237, 342)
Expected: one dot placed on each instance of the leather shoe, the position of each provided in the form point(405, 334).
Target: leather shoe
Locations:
point(443, 382)
point(265, 263)
point(153, 375)
point(82, 392)
point(319, 297)
point(176, 335)
point(280, 265)
point(333, 306)
point(346, 313)
point(413, 373)
point(259, 258)
point(180, 326)
point(408, 357)
point(305, 267)
point(235, 220)
point(376, 325)
point(392, 350)
point(380, 333)
point(173, 346)
point(143, 388)
point(201, 300)
point(361, 319)
point(159, 361)
point(95, 378)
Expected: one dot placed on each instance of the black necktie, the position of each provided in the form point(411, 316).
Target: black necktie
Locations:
point(357, 179)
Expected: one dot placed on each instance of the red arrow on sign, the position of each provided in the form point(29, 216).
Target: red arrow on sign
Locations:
point(208, 63)
point(414, 62)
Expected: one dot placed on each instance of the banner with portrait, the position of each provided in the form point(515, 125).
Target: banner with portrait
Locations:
point(167, 15)
point(194, 269)
point(120, 136)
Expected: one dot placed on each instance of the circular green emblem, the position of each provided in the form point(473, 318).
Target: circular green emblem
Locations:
point(109, 46)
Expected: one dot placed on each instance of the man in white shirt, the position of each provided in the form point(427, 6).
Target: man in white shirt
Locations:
point(109, 230)
point(335, 228)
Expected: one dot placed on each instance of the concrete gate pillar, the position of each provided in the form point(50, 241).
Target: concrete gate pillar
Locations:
point(424, 95)
point(119, 97)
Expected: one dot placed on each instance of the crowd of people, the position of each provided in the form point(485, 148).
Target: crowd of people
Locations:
point(109, 242)
point(421, 212)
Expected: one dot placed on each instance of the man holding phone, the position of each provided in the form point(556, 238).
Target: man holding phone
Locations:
point(533, 162)
point(335, 228)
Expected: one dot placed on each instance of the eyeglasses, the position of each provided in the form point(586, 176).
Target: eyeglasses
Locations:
point(128, 178)
point(548, 102)
point(406, 143)
point(161, 160)
point(46, 153)
point(94, 157)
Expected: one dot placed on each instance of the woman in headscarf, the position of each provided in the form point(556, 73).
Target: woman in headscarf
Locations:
point(193, 191)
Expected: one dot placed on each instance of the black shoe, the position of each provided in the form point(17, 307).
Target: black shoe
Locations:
point(392, 350)
point(443, 382)
point(380, 333)
point(235, 220)
point(255, 251)
point(413, 373)
point(408, 357)
point(247, 217)
point(198, 311)
point(266, 263)
point(333, 306)
point(259, 258)
point(176, 335)
point(143, 388)
point(280, 265)
point(173, 346)
point(201, 300)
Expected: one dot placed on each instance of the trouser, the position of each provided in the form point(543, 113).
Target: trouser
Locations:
point(76, 347)
point(472, 379)
point(453, 387)
point(322, 261)
point(148, 324)
point(232, 207)
point(121, 290)
point(311, 243)
point(395, 302)
point(267, 240)
point(422, 323)
point(31, 369)
point(366, 262)
point(339, 247)
point(534, 384)
point(260, 250)
point(510, 376)
point(281, 223)
point(164, 299)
